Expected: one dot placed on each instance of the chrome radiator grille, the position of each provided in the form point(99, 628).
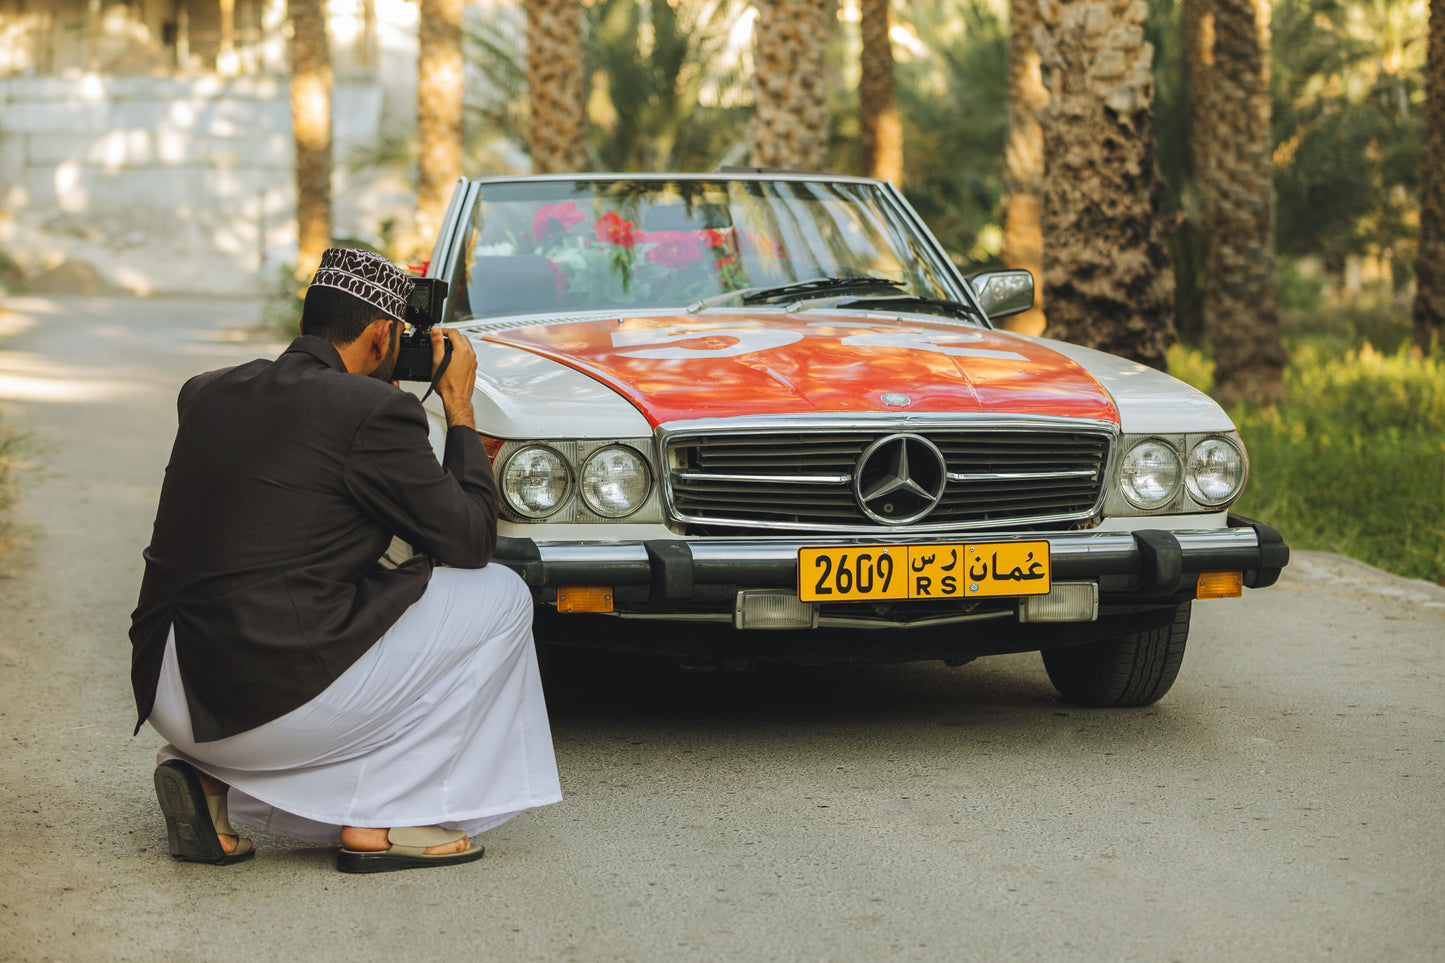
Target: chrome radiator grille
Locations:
point(806, 480)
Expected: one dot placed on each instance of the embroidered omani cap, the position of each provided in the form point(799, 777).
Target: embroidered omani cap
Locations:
point(368, 276)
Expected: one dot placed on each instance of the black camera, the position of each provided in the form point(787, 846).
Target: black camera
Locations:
point(423, 309)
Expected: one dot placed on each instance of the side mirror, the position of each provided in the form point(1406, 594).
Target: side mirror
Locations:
point(1001, 293)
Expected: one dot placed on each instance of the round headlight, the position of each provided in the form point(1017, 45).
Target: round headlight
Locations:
point(536, 481)
point(1150, 474)
point(1214, 472)
point(615, 482)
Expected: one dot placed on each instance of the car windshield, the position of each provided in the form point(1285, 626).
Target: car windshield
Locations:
point(581, 245)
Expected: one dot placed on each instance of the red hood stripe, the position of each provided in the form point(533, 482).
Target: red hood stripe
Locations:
point(680, 367)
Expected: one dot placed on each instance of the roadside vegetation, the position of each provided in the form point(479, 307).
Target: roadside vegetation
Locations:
point(1353, 459)
point(281, 303)
point(12, 465)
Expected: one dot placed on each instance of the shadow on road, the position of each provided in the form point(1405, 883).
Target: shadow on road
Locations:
point(590, 690)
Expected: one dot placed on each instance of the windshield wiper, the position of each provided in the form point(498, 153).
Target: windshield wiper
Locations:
point(956, 309)
point(817, 285)
point(769, 292)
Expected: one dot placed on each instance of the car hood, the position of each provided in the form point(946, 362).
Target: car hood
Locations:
point(679, 367)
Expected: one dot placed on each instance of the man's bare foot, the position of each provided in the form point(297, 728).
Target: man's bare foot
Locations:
point(360, 839)
point(212, 786)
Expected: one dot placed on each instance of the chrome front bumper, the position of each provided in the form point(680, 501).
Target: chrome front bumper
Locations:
point(1154, 563)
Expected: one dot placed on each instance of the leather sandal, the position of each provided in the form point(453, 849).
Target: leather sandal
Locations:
point(408, 851)
point(193, 819)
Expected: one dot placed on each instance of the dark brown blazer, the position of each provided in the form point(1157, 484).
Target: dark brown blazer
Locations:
point(286, 483)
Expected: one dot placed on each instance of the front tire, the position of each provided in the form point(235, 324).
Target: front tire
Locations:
point(1133, 670)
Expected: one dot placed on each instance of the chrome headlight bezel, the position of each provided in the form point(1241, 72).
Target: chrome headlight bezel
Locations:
point(516, 503)
point(586, 485)
point(1194, 468)
point(1183, 501)
point(1167, 463)
point(573, 507)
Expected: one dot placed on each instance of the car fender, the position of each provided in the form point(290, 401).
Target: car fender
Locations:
point(1149, 401)
point(523, 395)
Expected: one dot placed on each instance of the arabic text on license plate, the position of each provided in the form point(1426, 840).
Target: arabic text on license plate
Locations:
point(870, 572)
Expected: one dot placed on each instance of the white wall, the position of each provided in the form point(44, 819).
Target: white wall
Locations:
point(173, 185)
point(185, 184)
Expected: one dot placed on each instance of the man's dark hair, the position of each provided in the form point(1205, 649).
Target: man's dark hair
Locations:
point(335, 315)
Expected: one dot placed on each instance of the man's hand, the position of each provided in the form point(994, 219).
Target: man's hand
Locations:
point(456, 383)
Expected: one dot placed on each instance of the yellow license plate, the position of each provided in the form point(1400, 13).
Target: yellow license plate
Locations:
point(954, 571)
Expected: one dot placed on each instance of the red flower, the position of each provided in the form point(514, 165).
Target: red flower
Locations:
point(565, 214)
point(674, 249)
point(613, 229)
point(716, 238)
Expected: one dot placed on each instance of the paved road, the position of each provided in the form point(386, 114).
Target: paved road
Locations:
point(1282, 803)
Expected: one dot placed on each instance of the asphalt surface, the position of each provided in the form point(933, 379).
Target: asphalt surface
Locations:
point(1283, 802)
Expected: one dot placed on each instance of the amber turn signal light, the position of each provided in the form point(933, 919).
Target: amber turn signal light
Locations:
point(584, 598)
point(1220, 585)
point(493, 446)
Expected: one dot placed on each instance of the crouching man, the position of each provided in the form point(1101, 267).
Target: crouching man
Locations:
point(302, 687)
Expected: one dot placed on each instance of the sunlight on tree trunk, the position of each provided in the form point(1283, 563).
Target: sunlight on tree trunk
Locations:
point(790, 91)
point(311, 126)
point(880, 127)
point(1105, 265)
point(557, 82)
point(1234, 173)
point(1023, 239)
point(1430, 265)
point(1197, 20)
point(439, 87)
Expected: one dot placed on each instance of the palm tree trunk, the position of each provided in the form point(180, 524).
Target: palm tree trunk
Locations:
point(311, 127)
point(557, 80)
point(1235, 178)
point(1430, 265)
point(1023, 239)
point(1197, 17)
point(1105, 264)
point(439, 90)
point(1190, 245)
point(880, 128)
point(790, 95)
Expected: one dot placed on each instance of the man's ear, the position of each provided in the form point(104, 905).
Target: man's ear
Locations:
point(378, 335)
